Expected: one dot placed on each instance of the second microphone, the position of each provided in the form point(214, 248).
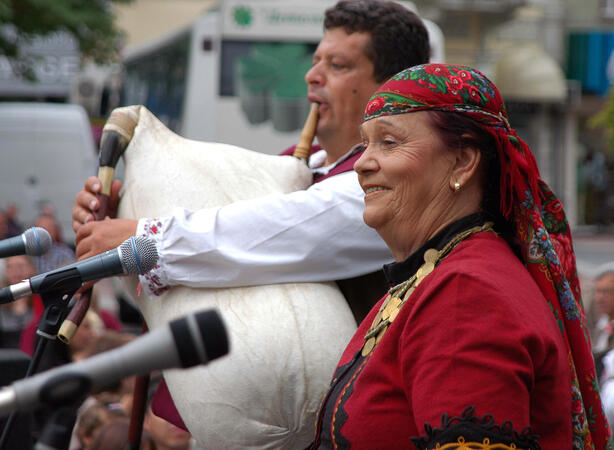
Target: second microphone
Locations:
point(136, 255)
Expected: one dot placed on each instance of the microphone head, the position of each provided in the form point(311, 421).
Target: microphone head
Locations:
point(199, 338)
point(138, 255)
point(37, 241)
point(213, 333)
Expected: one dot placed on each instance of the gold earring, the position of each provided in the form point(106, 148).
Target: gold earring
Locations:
point(457, 186)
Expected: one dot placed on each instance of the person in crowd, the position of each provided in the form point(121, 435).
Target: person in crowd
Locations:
point(16, 315)
point(105, 301)
point(604, 302)
point(606, 385)
point(90, 422)
point(14, 227)
point(59, 254)
point(364, 43)
point(86, 336)
point(481, 339)
point(114, 436)
point(603, 336)
point(4, 225)
point(587, 286)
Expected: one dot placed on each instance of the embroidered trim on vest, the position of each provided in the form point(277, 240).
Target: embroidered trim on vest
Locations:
point(471, 432)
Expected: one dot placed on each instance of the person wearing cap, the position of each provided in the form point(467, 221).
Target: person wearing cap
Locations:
point(481, 341)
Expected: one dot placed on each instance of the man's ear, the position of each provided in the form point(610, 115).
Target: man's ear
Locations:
point(466, 167)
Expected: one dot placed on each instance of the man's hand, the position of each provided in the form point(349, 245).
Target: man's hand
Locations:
point(97, 237)
point(86, 202)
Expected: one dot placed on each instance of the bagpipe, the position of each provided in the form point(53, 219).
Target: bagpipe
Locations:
point(285, 339)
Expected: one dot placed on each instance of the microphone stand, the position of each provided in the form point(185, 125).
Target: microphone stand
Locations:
point(137, 414)
point(65, 393)
point(58, 429)
point(56, 291)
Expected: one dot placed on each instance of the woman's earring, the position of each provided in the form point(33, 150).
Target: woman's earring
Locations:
point(457, 186)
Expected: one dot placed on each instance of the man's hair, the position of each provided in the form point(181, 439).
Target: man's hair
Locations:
point(398, 37)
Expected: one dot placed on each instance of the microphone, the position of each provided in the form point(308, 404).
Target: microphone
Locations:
point(134, 256)
point(186, 342)
point(34, 242)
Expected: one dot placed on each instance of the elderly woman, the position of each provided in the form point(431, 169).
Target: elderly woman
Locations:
point(481, 339)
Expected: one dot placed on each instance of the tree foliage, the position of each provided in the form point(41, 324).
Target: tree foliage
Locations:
point(90, 22)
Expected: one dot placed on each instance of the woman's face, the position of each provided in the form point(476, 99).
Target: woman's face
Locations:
point(405, 172)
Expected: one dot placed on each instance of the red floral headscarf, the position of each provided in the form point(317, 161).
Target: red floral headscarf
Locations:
point(541, 226)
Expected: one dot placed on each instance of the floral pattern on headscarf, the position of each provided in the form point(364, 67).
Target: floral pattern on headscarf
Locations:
point(541, 226)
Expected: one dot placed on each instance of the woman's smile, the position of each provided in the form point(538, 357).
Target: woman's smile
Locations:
point(371, 191)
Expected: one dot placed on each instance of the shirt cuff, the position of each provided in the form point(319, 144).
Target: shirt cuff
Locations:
point(153, 282)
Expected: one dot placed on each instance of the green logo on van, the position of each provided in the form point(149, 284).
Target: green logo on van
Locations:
point(242, 16)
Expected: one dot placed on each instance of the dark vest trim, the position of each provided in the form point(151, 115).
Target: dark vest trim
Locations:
point(469, 428)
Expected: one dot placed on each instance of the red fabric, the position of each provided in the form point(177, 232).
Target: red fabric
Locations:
point(27, 340)
point(37, 305)
point(162, 404)
point(475, 332)
point(290, 150)
point(110, 321)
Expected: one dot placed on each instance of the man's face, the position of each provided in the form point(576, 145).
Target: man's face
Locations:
point(341, 81)
point(604, 294)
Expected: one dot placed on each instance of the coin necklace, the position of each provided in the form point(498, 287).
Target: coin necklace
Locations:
point(399, 294)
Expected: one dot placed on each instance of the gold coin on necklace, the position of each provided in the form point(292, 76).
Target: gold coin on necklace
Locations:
point(394, 314)
point(391, 306)
point(409, 292)
point(380, 335)
point(382, 308)
point(425, 270)
point(431, 255)
point(368, 347)
point(378, 319)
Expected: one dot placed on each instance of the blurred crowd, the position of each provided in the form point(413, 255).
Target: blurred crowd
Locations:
point(103, 418)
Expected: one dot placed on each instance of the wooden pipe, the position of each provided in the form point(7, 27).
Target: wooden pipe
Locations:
point(116, 136)
point(303, 148)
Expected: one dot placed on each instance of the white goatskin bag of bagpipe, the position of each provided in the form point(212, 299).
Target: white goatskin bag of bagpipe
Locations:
point(285, 340)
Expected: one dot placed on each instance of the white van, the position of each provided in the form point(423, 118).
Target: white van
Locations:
point(47, 151)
